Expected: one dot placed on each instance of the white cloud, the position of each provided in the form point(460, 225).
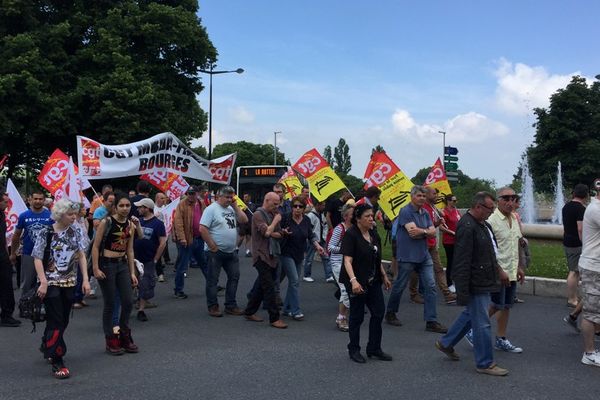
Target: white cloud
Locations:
point(522, 88)
point(471, 127)
point(241, 114)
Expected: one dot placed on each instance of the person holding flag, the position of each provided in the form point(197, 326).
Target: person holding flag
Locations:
point(7, 297)
point(29, 225)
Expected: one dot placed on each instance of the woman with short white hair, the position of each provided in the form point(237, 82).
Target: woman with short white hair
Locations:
point(58, 250)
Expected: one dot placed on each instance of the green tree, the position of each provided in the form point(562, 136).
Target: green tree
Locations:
point(354, 184)
point(328, 156)
point(341, 157)
point(377, 149)
point(117, 71)
point(569, 132)
point(248, 154)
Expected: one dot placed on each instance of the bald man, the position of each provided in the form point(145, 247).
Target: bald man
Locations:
point(265, 254)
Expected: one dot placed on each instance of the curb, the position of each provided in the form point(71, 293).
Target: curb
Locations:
point(533, 286)
point(545, 287)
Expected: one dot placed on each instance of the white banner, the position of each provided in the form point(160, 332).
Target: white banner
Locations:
point(16, 206)
point(162, 152)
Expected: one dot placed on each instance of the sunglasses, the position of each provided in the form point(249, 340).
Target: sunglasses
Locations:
point(509, 197)
point(490, 209)
point(298, 206)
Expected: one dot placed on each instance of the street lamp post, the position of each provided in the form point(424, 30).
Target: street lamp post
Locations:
point(275, 147)
point(444, 144)
point(211, 72)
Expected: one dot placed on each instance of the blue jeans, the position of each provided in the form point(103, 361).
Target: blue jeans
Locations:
point(310, 256)
point(475, 316)
point(291, 304)
point(183, 261)
point(116, 315)
point(230, 263)
point(425, 271)
point(78, 297)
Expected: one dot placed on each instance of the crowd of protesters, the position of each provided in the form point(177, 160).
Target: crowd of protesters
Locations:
point(63, 252)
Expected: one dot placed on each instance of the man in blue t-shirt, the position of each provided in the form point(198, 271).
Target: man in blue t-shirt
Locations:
point(148, 251)
point(414, 226)
point(143, 189)
point(218, 227)
point(29, 225)
point(108, 201)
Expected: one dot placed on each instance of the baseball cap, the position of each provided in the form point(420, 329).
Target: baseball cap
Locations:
point(146, 202)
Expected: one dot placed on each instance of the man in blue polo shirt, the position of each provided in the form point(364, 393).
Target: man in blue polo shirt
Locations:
point(29, 225)
point(148, 250)
point(414, 226)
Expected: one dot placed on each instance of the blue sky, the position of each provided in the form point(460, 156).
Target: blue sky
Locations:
point(394, 73)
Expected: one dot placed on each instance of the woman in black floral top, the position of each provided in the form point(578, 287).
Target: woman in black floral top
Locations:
point(58, 251)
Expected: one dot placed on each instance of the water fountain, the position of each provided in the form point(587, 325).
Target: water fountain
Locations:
point(528, 209)
point(559, 197)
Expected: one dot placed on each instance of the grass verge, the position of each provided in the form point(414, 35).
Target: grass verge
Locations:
point(547, 257)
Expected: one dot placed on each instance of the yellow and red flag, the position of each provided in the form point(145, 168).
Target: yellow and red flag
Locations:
point(394, 184)
point(438, 180)
point(240, 203)
point(293, 186)
point(322, 180)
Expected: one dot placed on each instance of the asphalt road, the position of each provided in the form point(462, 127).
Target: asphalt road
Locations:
point(186, 354)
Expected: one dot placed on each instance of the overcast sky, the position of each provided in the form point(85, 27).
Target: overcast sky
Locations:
point(394, 73)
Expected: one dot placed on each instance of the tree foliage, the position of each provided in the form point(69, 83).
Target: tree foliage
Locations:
point(341, 157)
point(117, 71)
point(377, 149)
point(569, 132)
point(355, 185)
point(464, 189)
point(328, 156)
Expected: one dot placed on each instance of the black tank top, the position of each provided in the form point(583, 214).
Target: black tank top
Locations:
point(118, 236)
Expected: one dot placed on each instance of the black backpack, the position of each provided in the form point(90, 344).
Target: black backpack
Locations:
point(31, 305)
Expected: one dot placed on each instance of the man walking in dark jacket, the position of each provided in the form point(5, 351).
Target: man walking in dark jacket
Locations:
point(476, 274)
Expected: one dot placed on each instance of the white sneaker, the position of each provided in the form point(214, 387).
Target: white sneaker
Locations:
point(591, 359)
point(161, 278)
point(308, 279)
point(330, 279)
point(452, 288)
point(506, 345)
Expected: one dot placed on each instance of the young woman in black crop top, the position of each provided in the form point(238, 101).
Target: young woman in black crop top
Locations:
point(113, 265)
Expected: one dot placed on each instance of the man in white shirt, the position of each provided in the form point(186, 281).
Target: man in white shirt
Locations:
point(320, 229)
point(589, 270)
point(218, 227)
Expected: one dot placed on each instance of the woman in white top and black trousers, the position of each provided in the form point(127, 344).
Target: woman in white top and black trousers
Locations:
point(363, 276)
